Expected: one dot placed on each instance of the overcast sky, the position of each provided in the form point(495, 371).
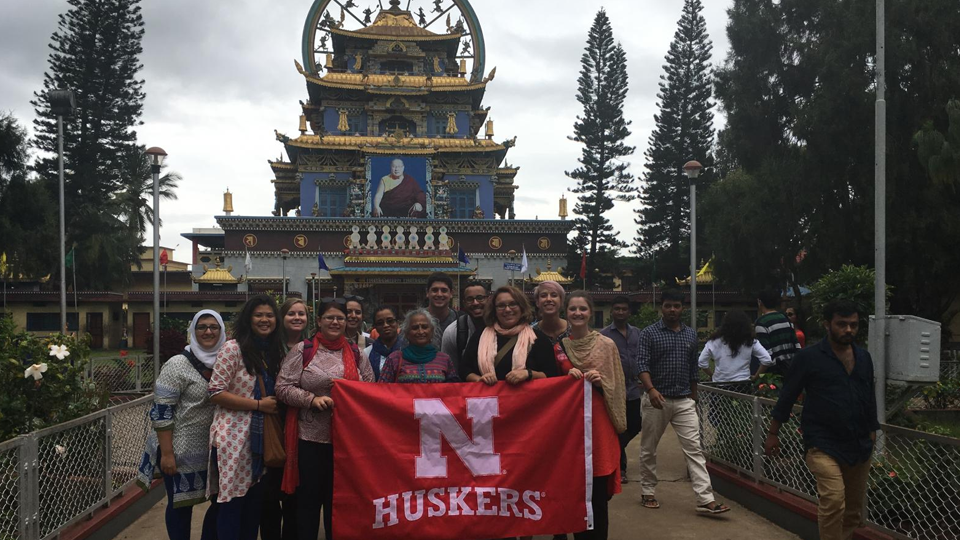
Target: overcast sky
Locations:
point(220, 78)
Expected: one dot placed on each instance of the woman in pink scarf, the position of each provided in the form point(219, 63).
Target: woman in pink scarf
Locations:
point(508, 349)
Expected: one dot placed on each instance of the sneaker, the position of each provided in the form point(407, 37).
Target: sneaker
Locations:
point(623, 476)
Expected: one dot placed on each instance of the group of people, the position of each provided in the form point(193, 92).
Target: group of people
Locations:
point(215, 401)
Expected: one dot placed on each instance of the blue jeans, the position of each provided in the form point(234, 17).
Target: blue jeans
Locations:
point(178, 520)
point(239, 518)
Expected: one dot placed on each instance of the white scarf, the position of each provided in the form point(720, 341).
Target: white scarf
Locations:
point(207, 357)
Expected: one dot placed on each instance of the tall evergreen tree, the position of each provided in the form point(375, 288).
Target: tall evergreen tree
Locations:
point(602, 177)
point(95, 53)
point(683, 132)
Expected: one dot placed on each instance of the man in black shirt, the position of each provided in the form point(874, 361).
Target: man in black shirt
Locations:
point(839, 419)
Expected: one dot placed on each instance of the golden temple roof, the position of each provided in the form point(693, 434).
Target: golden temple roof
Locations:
point(704, 276)
point(366, 143)
point(395, 24)
point(550, 275)
point(217, 275)
point(386, 82)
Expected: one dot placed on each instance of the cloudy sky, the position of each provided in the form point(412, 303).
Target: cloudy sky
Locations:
point(220, 78)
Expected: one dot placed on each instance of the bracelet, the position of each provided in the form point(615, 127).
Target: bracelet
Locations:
point(258, 405)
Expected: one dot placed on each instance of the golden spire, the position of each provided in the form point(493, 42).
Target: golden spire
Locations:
point(343, 125)
point(563, 207)
point(489, 131)
point(303, 124)
point(228, 202)
point(451, 123)
point(329, 63)
point(463, 67)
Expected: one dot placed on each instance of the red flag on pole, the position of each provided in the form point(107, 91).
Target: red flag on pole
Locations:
point(164, 259)
point(583, 267)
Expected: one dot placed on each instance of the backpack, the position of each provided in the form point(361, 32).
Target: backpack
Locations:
point(463, 333)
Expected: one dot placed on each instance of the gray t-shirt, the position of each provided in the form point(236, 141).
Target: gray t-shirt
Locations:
point(448, 344)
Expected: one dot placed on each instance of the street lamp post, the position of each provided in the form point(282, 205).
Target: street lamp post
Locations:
point(878, 333)
point(513, 258)
point(284, 253)
point(313, 292)
point(62, 104)
point(692, 170)
point(156, 155)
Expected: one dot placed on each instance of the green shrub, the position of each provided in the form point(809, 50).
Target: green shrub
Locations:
point(853, 283)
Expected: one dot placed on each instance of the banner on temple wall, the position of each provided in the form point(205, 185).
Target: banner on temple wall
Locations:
point(399, 187)
point(466, 461)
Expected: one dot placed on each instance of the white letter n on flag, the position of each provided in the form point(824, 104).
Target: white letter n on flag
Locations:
point(476, 453)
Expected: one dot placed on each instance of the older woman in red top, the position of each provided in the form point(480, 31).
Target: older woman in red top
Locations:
point(587, 354)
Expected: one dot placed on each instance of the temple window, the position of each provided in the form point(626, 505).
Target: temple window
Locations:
point(394, 123)
point(332, 201)
point(396, 67)
point(463, 203)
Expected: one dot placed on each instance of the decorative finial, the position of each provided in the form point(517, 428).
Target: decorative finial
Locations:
point(563, 207)
point(228, 202)
point(395, 5)
point(489, 131)
point(303, 124)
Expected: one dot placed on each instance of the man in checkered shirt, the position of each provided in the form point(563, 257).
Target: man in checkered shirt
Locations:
point(667, 360)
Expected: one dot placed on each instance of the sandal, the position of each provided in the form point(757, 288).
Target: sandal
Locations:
point(649, 502)
point(717, 508)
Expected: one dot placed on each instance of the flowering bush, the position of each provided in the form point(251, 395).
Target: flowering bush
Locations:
point(42, 379)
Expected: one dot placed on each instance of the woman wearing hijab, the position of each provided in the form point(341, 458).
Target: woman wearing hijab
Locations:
point(181, 418)
point(508, 349)
point(588, 355)
point(242, 389)
point(419, 361)
point(305, 382)
point(549, 297)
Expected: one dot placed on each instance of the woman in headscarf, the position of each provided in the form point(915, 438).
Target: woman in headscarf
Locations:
point(305, 382)
point(242, 389)
point(181, 418)
point(588, 355)
point(508, 349)
point(419, 361)
point(549, 297)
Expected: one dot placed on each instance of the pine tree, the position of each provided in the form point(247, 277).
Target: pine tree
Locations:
point(684, 131)
point(95, 53)
point(602, 177)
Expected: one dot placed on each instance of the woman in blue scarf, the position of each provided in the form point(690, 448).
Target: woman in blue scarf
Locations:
point(419, 361)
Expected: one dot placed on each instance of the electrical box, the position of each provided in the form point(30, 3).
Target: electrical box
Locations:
point(913, 348)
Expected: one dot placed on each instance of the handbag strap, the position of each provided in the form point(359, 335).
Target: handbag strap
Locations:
point(507, 347)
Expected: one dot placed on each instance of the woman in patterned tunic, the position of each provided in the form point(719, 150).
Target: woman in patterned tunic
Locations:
point(236, 436)
point(181, 417)
point(305, 382)
point(419, 362)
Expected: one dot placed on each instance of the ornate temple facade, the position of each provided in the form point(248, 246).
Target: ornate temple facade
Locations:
point(394, 169)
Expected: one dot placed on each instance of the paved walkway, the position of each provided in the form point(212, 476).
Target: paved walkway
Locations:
point(675, 520)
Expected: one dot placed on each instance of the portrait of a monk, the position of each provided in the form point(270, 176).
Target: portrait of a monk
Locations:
point(399, 195)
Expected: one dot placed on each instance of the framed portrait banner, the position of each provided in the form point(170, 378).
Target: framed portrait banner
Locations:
point(399, 187)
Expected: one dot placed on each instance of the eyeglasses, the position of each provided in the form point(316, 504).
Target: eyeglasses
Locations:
point(478, 299)
point(421, 326)
point(509, 305)
point(385, 322)
point(211, 327)
point(333, 318)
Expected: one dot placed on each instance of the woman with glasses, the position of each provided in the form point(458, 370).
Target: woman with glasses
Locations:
point(305, 383)
point(585, 354)
point(386, 324)
point(549, 297)
point(508, 349)
point(354, 329)
point(242, 389)
point(181, 418)
point(419, 361)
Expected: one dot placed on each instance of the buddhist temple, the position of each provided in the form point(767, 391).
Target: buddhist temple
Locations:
point(391, 169)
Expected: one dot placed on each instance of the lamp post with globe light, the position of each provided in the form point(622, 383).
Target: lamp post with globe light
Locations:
point(156, 156)
point(692, 170)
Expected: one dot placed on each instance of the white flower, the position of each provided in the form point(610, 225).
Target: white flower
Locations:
point(60, 351)
point(61, 450)
point(36, 371)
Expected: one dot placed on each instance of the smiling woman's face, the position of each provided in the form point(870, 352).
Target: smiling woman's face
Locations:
point(295, 320)
point(207, 331)
point(263, 321)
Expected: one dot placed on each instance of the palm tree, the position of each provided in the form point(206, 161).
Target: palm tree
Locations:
point(134, 199)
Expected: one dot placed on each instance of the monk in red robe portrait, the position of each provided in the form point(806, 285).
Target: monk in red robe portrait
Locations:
point(399, 195)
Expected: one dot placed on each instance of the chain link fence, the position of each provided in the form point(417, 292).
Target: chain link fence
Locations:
point(54, 477)
point(914, 485)
point(119, 375)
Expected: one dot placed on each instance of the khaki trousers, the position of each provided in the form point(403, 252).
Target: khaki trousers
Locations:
point(842, 489)
point(681, 413)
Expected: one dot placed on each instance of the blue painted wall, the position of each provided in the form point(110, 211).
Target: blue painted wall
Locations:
point(308, 190)
point(486, 190)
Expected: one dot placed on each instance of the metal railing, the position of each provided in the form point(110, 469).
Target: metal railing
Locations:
point(54, 477)
point(122, 374)
point(914, 484)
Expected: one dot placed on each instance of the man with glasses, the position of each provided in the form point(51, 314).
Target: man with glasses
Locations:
point(439, 295)
point(456, 336)
point(386, 322)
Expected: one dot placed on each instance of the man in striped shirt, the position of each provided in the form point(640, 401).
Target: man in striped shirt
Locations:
point(775, 333)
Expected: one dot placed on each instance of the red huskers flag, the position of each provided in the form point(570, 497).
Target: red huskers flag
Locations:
point(466, 461)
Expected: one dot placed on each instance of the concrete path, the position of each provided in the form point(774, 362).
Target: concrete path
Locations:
point(675, 520)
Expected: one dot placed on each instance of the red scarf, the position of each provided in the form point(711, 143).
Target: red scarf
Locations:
point(291, 469)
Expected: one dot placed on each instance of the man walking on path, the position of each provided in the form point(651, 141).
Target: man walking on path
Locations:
point(839, 420)
point(439, 295)
point(667, 362)
point(456, 336)
point(627, 338)
point(775, 333)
